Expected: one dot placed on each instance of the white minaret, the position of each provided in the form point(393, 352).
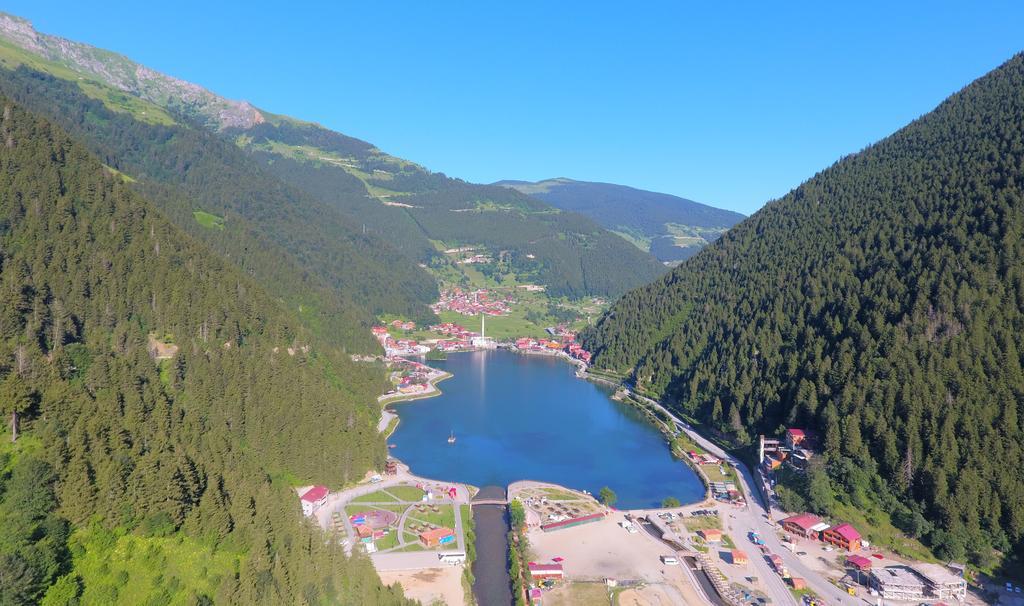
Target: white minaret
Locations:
point(483, 326)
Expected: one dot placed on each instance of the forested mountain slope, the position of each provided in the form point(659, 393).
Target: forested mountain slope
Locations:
point(420, 212)
point(881, 303)
point(178, 453)
point(327, 206)
point(669, 227)
point(307, 253)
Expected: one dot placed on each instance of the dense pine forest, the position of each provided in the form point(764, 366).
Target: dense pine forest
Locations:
point(879, 303)
point(309, 254)
point(123, 464)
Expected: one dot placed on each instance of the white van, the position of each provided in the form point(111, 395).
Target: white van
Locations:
point(452, 557)
point(669, 560)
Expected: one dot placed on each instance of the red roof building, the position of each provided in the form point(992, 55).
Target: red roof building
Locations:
point(844, 536)
point(859, 562)
point(794, 437)
point(546, 571)
point(739, 557)
point(801, 524)
point(313, 498)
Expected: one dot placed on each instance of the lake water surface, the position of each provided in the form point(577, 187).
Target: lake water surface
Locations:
point(518, 417)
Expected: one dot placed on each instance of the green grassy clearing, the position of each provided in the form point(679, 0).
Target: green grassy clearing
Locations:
point(121, 568)
point(694, 524)
point(375, 497)
point(390, 540)
point(406, 493)
point(557, 494)
point(444, 518)
point(208, 220)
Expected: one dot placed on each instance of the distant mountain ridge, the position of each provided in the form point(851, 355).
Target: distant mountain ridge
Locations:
point(669, 227)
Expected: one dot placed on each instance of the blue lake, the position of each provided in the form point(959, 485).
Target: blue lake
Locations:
point(518, 417)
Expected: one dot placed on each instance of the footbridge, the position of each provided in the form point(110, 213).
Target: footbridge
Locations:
point(491, 495)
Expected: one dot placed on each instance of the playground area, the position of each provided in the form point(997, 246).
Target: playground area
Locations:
point(402, 518)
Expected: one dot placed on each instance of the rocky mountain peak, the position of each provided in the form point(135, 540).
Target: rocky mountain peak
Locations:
point(120, 72)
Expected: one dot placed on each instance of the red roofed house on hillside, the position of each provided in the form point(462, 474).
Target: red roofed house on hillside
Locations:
point(313, 498)
point(795, 437)
point(859, 562)
point(801, 524)
point(844, 536)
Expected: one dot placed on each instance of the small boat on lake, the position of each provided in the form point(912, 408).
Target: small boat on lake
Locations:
point(451, 438)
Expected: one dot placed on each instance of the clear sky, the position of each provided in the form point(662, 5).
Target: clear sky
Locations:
point(730, 106)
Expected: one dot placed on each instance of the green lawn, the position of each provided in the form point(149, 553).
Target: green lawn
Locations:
point(444, 518)
point(727, 542)
point(557, 494)
point(390, 540)
point(375, 497)
point(406, 493)
point(694, 524)
point(208, 220)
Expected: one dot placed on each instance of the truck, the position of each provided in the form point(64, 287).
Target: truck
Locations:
point(755, 538)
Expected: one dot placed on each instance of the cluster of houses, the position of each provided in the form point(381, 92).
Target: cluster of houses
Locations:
point(413, 377)
point(809, 526)
point(564, 344)
point(473, 259)
point(404, 324)
point(461, 338)
point(472, 303)
point(398, 347)
point(543, 575)
point(795, 449)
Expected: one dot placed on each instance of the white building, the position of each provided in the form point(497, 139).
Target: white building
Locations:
point(313, 498)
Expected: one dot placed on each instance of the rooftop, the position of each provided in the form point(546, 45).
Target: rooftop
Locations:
point(545, 567)
point(803, 520)
point(897, 576)
point(937, 575)
point(436, 533)
point(314, 494)
point(847, 531)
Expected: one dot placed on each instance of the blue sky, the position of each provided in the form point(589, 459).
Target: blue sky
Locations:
point(729, 106)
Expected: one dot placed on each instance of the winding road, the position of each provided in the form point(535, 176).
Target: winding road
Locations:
point(754, 517)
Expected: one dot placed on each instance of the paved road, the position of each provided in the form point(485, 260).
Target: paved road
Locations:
point(752, 517)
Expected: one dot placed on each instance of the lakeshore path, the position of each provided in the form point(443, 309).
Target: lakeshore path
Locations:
point(755, 518)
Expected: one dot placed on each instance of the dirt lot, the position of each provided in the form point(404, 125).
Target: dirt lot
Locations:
point(430, 586)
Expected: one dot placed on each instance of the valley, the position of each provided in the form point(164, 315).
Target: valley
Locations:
point(246, 358)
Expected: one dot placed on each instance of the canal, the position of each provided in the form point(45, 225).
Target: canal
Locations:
point(491, 584)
